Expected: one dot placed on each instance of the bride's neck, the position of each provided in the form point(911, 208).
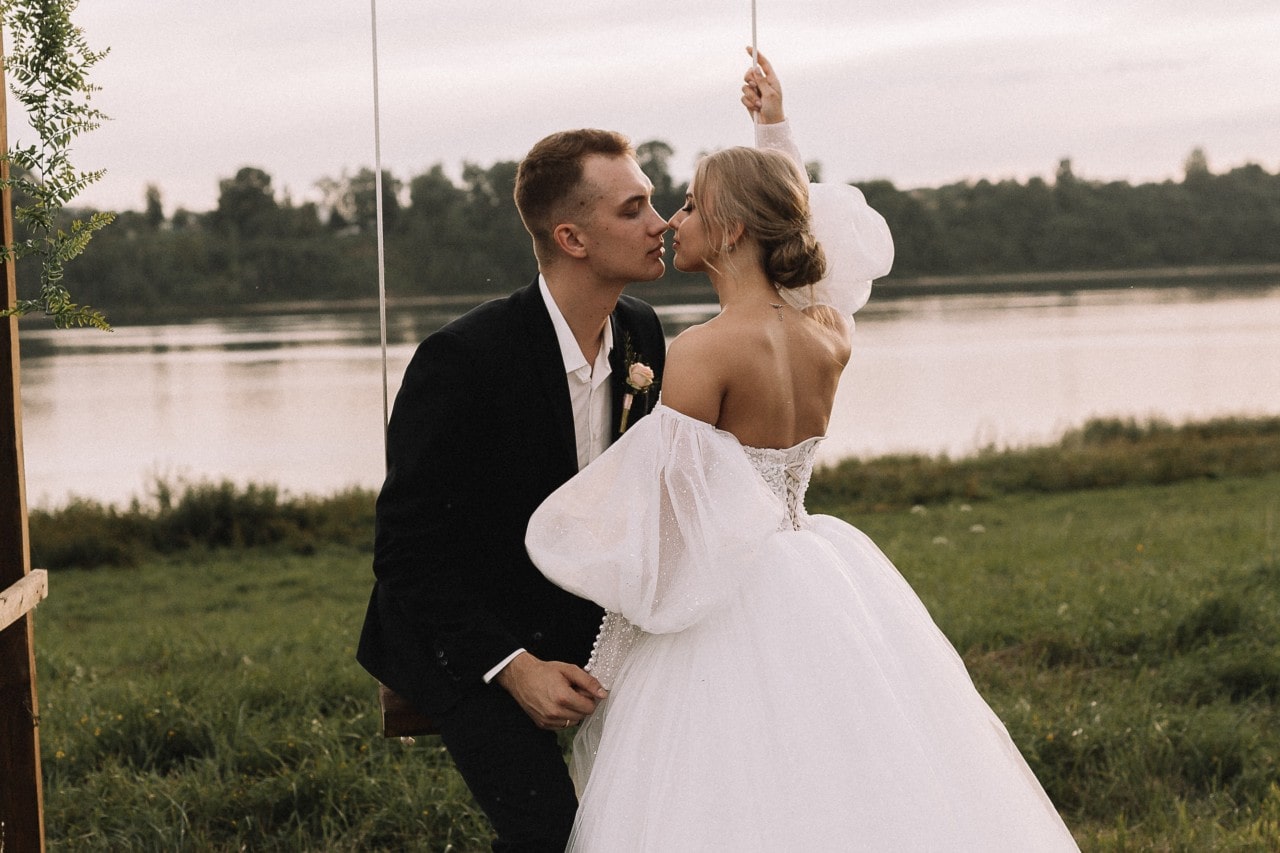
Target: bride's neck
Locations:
point(744, 288)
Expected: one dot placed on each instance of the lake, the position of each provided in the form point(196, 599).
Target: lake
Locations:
point(295, 400)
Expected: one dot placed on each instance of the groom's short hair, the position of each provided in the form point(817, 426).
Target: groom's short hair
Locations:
point(549, 179)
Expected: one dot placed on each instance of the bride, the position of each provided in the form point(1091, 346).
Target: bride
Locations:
point(775, 684)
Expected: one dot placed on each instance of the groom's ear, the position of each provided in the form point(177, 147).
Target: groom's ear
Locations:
point(568, 240)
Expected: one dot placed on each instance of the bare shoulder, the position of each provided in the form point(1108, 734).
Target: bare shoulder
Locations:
point(692, 381)
point(704, 338)
point(835, 328)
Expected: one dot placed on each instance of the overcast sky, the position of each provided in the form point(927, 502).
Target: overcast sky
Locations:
point(921, 92)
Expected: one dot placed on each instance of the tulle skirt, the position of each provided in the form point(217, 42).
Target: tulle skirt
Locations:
point(818, 709)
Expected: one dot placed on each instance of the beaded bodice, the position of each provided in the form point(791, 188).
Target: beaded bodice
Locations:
point(787, 474)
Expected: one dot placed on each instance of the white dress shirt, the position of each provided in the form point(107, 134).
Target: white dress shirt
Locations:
point(589, 394)
point(588, 388)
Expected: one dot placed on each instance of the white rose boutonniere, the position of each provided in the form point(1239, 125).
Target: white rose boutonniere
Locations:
point(639, 381)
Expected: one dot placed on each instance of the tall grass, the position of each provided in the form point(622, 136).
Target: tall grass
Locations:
point(197, 516)
point(1101, 454)
point(186, 516)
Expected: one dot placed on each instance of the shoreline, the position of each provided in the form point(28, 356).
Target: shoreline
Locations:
point(1102, 452)
point(1243, 275)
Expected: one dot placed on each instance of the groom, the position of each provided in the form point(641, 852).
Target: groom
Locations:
point(496, 410)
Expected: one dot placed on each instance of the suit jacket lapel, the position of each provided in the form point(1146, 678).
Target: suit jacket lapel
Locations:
point(618, 363)
point(549, 367)
point(618, 374)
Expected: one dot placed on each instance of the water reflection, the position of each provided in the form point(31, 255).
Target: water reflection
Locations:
point(297, 400)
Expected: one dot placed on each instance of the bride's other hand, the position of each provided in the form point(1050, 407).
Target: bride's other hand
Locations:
point(555, 695)
point(762, 92)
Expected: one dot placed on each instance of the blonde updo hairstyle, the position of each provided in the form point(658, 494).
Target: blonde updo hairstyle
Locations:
point(764, 192)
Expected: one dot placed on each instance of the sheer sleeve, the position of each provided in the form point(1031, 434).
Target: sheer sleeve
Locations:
point(659, 526)
point(855, 237)
point(778, 137)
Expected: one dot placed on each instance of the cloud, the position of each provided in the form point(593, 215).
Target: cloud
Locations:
point(923, 91)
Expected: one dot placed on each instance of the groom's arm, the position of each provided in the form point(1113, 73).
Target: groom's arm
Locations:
point(427, 544)
point(551, 691)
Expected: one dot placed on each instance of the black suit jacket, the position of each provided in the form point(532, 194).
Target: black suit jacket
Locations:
point(481, 432)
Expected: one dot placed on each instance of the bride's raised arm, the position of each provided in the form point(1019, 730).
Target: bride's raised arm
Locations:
point(855, 238)
point(762, 96)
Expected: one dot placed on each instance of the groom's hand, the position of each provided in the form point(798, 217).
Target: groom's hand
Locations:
point(555, 695)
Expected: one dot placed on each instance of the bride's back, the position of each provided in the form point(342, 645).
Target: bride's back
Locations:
point(768, 374)
point(761, 369)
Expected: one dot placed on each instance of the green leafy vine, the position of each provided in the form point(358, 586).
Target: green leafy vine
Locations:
point(47, 66)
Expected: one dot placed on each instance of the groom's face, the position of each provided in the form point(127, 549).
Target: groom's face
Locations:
point(621, 231)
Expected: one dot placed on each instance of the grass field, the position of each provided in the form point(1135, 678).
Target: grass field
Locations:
point(1128, 636)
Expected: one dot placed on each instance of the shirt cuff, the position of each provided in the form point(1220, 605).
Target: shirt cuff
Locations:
point(493, 673)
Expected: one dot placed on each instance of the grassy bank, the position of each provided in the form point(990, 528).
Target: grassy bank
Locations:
point(1128, 636)
point(1101, 454)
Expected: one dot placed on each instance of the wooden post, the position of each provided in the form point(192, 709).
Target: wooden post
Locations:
point(21, 787)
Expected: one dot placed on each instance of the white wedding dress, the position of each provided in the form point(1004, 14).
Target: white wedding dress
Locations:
point(782, 689)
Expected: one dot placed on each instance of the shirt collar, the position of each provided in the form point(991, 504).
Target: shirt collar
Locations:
point(570, 352)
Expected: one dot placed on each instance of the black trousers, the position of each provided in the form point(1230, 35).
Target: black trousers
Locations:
point(515, 770)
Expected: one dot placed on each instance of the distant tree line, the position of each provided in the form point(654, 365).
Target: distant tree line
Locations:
point(447, 236)
point(1078, 224)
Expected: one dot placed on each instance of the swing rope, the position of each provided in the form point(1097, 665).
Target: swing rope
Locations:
point(755, 54)
point(755, 51)
point(382, 261)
